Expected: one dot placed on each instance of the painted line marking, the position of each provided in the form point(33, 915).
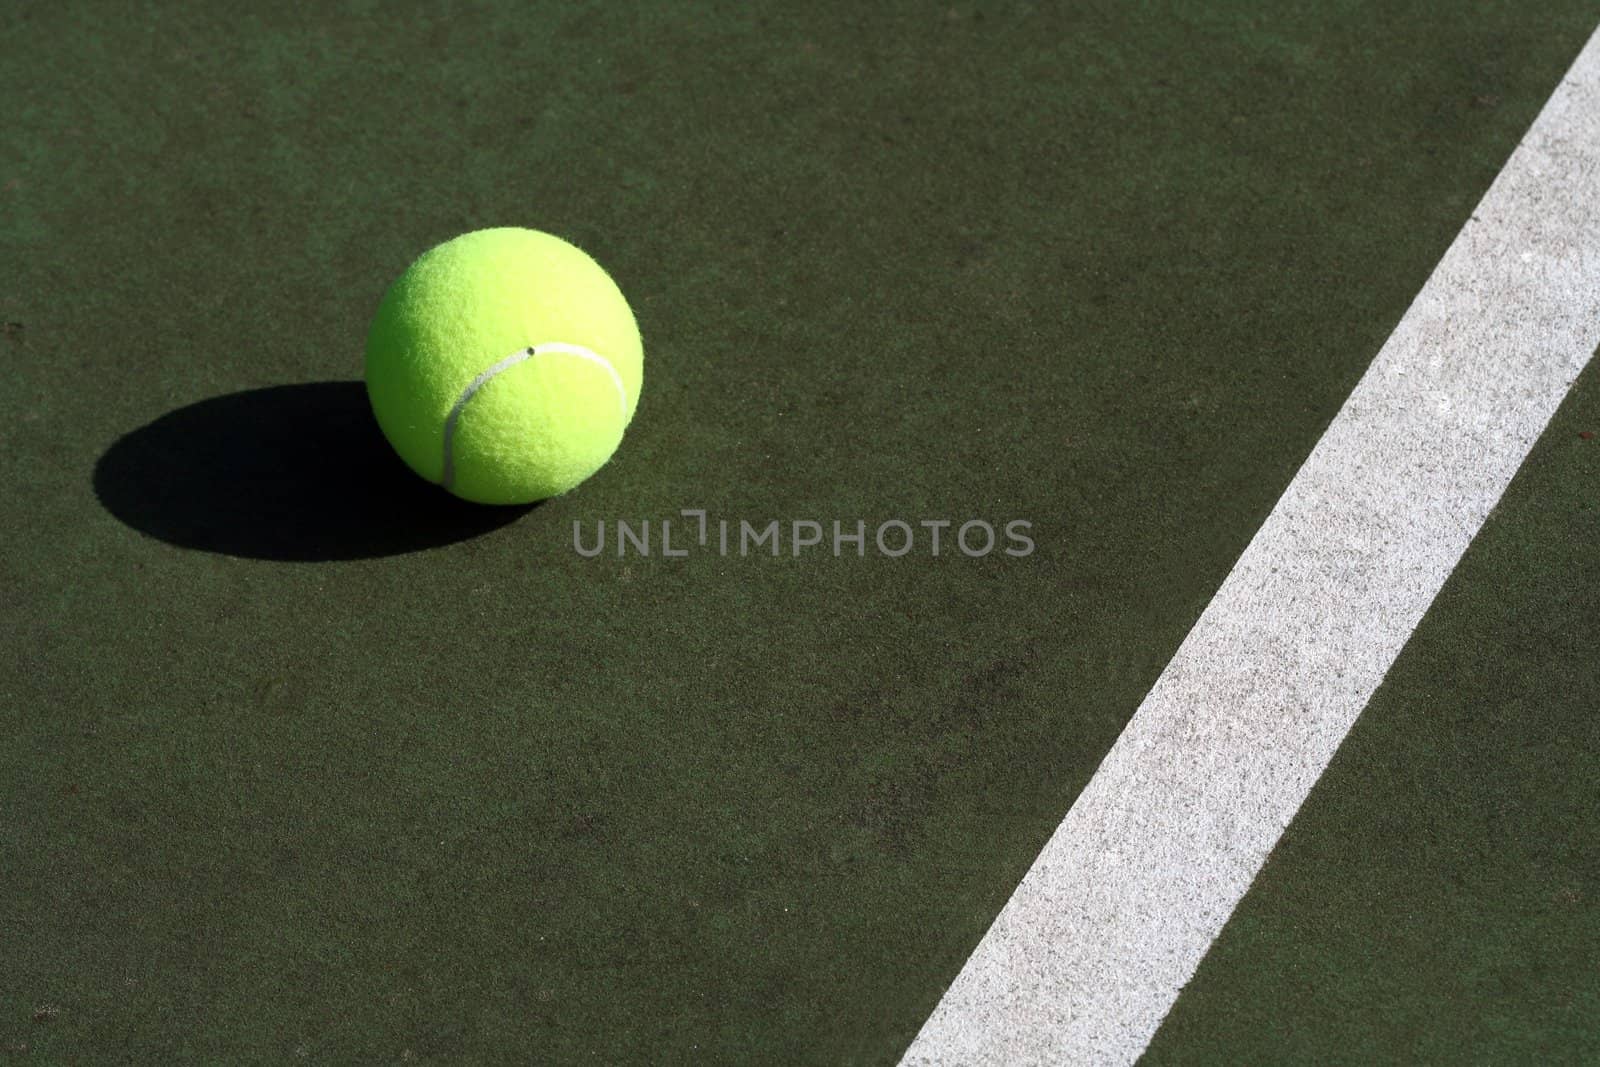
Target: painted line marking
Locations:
point(1113, 918)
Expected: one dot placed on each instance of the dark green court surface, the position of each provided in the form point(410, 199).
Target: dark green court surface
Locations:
point(303, 760)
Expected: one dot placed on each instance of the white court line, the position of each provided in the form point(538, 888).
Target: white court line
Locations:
point(1114, 916)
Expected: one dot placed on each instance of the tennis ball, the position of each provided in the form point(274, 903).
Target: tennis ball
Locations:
point(504, 365)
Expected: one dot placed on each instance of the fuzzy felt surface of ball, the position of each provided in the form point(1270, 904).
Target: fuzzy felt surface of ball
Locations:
point(504, 365)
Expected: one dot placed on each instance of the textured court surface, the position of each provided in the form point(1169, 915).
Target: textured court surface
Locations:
point(305, 762)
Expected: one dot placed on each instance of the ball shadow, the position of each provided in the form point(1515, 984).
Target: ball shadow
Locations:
point(293, 472)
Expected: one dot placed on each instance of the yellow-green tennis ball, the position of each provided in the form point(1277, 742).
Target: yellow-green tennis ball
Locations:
point(504, 365)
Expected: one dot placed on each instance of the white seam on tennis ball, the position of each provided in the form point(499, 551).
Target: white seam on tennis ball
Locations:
point(549, 348)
